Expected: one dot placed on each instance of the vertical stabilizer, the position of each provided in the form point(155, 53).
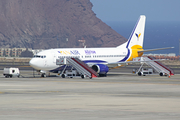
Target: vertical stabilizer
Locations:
point(137, 36)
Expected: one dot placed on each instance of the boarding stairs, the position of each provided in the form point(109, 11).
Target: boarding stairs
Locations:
point(79, 65)
point(158, 66)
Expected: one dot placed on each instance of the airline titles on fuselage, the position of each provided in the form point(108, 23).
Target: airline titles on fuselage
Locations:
point(71, 52)
point(76, 52)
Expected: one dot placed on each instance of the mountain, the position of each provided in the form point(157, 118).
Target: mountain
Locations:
point(53, 23)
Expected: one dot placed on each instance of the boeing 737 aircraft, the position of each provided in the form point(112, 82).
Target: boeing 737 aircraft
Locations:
point(100, 59)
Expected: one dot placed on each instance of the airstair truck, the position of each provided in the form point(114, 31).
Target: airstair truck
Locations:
point(11, 72)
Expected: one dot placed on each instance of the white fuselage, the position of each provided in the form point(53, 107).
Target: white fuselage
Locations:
point(46, 60)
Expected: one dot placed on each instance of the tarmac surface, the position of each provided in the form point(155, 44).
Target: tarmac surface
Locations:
point(119, 96)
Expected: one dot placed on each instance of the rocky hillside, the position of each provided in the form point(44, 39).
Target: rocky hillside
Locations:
point(53, 23)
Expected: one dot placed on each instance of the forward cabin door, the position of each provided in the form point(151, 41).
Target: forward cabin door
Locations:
point(54, 57)
point(45, 62)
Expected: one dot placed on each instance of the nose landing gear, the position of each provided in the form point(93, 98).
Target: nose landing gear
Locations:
point(43, 75)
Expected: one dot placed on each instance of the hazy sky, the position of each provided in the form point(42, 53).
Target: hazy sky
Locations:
point(130, 10)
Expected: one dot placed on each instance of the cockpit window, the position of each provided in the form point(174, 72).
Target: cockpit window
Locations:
point(39, 56)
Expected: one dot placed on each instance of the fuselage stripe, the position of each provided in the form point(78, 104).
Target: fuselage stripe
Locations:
point(94, 61)
point(123, 60)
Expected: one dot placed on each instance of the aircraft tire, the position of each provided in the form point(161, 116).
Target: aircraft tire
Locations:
point(43, 75)
point(102, 75)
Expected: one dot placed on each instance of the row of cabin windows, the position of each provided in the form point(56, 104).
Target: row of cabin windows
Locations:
point(68, 56)
point(94, 56)
point(109, 55)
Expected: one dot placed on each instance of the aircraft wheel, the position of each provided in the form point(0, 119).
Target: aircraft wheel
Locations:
point(102, 75)
point(43, 75)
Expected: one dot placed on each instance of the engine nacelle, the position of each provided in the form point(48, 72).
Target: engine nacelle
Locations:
point(100, 68)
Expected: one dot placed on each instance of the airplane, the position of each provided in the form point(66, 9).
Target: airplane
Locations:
point(99, 59)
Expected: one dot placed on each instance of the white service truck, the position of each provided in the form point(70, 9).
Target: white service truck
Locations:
point(145, 71)
point(11, 72)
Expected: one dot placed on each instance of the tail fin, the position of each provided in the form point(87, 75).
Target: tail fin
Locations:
point(137, 36)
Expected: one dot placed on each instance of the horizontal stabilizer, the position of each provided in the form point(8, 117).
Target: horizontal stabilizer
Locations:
point(154, 49)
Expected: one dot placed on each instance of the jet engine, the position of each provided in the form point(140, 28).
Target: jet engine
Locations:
point(101, 69)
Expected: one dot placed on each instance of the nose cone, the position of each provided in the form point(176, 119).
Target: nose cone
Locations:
point(34, 63)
